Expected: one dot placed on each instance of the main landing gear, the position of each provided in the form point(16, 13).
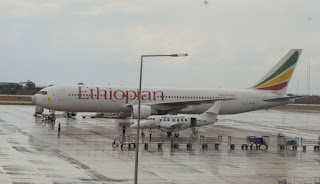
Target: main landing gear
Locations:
point(50, 117)
point(176, 134)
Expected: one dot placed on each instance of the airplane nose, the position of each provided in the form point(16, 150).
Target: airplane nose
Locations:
point(33, 99)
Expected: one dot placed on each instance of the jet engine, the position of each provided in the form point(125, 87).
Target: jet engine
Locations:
point(145, 111)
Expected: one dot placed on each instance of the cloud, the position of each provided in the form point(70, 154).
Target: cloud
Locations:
point(27, 9)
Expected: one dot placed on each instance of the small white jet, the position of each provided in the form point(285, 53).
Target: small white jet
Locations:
point(268, 92)
point(176, 123)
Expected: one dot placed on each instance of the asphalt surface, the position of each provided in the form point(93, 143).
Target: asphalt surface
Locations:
point(32, 152)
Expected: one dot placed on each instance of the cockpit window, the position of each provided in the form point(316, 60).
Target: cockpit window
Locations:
point(42, 92)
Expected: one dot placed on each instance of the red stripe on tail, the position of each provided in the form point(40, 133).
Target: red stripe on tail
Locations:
point(275, 87)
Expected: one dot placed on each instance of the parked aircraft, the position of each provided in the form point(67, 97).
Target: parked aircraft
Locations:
point(268, 92)
point(176, 123)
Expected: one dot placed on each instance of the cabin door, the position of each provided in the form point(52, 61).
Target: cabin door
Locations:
point(61, 95)
point(244, 99)
point(193, 122)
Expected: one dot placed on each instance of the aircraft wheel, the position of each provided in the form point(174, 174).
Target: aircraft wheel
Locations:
point(189, 145)
point(216, 146)
point(176, 146)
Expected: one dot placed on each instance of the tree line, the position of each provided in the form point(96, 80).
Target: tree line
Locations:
point(23, 88)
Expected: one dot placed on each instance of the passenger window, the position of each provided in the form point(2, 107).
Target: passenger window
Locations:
point(173, 119)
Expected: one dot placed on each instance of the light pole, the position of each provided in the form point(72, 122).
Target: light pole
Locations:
point(138, 123)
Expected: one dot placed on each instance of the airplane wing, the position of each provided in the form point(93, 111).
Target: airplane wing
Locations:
point(170, 124)
point(178, 105)
point(282, 98)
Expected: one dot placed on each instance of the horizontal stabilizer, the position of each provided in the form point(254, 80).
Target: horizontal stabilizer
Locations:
point(282, 98)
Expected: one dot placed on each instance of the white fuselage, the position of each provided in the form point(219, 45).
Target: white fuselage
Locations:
point(176, 123)
point(118, 99)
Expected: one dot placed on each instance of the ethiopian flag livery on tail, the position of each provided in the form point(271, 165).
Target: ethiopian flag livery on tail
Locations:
point(278, 78)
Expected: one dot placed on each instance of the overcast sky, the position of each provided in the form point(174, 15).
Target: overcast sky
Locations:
point(231, 43)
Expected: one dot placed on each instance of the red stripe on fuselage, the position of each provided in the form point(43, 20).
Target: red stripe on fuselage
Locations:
point(275, 87)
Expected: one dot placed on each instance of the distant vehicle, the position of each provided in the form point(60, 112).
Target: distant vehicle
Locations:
point(176, 123)
point(268, 92)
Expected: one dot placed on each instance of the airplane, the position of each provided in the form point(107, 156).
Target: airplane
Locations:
point(268, 92)
point(176, 123)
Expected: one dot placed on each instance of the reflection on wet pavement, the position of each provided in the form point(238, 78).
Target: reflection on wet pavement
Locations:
point(32, 152)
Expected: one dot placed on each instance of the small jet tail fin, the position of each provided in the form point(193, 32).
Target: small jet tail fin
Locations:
point(215, 108)
point(212, 113)
point(277, 79)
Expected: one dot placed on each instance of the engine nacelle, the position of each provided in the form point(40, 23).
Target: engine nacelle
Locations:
point(145, 111)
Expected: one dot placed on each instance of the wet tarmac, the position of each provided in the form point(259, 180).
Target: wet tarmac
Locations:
point(32, 152)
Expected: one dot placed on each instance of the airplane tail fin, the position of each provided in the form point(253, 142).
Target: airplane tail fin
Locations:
point(277, 79)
